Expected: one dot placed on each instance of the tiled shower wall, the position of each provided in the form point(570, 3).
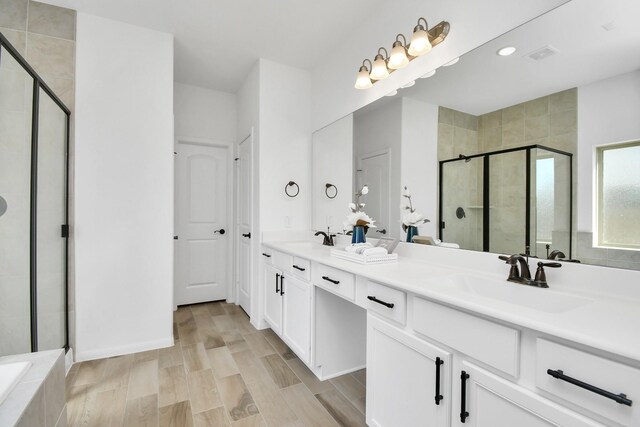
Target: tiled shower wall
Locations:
point(45, 36)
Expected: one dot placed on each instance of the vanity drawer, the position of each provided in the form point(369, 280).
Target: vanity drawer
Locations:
point(282, 261)
point(301, 268)
point(388, 302)
point(337, 281)
point(488, 342)
point(267, 255)
point(610, 376)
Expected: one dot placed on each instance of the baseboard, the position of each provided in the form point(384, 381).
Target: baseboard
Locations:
point(261, 324)
point(322, 377)
point(82, 356)
point(68, 361)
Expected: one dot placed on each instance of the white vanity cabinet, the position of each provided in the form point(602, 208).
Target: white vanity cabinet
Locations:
point(287, 300)
point(408, 379)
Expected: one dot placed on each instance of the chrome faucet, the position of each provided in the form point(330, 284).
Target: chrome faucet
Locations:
point(524, 278)
point(328, 237)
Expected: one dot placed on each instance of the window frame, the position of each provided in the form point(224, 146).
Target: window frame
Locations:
point(600, 150)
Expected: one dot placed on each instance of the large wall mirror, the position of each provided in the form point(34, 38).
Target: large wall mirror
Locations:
point(536, 150)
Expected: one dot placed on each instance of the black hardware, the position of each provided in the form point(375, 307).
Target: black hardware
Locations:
point(463, 396)
point(266, 255)
point(281, 284)
point(460, 213)
point(555, 254)
point(277, 280)
point(64, 230)
point(438, 395)
point(328, 279)
point(374, 299)
point(619, 398)
point(328, 237)
point(326, 190)
point(383, 231)
point(236, 159)
point(291, 184)
point(527, 200)
point(247, 235)
point(299, 268)
point(486, 203)
point(541, 277)
point(221, 231)
point(175, 237)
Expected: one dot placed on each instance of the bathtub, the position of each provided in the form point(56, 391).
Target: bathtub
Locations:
point(10, 375)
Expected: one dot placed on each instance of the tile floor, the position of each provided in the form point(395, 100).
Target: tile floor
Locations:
point(221, 372)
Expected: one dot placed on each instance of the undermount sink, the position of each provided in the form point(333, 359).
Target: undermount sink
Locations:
point(526, 296)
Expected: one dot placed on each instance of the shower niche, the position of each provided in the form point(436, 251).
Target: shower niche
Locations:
point(508, 201)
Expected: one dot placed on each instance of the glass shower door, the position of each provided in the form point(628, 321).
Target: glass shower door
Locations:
point(16, 94)
point(51, 214)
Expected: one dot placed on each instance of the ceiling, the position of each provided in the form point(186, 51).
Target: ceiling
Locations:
point(218, 41)
point(482, 81)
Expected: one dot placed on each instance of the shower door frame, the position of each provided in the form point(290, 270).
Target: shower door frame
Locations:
point(485, 191)
point(39, 84)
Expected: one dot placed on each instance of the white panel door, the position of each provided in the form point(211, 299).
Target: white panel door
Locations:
point(296, 315)
point(201, 223)
point(402, 379)
point(374, 171)
point(273, 298)
point(244, 224)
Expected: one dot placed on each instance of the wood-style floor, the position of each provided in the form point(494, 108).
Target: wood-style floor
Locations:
point(221, 372)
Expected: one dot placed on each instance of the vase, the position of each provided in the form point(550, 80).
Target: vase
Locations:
point(358, 234)
point(412, 230)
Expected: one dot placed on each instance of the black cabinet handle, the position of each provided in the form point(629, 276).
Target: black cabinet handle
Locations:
point(438, 395)
point(386, 304)
point(282, 285)
point(619, 398)
point(463, 396)
point(248, 235)
point(277, 279)
point(299, 268)
point(266, 255)
point(329, 279)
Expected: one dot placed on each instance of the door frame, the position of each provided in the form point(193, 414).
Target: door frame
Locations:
point(389, 153)
point(230, 147)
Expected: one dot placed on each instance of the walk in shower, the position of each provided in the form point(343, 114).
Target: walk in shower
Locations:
point(508, 201)
point(34, 141)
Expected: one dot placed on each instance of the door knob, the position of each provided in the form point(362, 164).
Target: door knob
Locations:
point(221, 231)
point(383, 231)
point(248, 235)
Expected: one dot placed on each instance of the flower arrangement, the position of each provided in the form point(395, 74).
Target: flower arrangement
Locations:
point(411, 218)
point(357, 217)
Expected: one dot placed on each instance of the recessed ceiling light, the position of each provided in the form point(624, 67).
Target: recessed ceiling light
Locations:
point(392, 93)
point(409, 84)
point(429, 74)
point(453, 61)
point(506, 51)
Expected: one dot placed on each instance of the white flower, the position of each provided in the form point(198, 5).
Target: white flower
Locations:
point(352, 206)
point(362, 205)
point(413, 219)
point(355, 217)
point(365, 190)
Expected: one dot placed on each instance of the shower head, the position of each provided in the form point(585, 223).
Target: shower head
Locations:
point(466, 159)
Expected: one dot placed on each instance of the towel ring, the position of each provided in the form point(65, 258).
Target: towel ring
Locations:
point(326, 190)
point(291, 184)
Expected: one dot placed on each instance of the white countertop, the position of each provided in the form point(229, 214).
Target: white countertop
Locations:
point(604, 322)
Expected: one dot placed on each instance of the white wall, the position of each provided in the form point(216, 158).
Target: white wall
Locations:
point(123, 188)
point(419, 159)
point(472, 24)
point(608, 112)
point(204, 113)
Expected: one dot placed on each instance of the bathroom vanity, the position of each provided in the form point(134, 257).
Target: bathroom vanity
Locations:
point(446, 340)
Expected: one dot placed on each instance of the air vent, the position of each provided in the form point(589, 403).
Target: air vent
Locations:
point(542, 53)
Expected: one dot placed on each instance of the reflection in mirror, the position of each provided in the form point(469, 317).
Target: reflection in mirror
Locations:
point(572, 85)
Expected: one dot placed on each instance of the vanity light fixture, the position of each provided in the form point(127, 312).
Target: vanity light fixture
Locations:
point(411, 83)
point(429, 74)
point(422, 41)
point(392, 93)
point(506, 51)
point(450, 63)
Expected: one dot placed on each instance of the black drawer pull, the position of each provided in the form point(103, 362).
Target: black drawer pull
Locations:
point(438, 395)
point(282, 285)
point(266, 255)
point(620, 398)
point(386, 304)
point(299, 268)
point(329, 279)
point(277, 280)
point(463, 396)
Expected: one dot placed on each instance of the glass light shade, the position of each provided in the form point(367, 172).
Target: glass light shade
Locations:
point(379, 69)
point(420, 43)
point(363, 81)
point(398, 58)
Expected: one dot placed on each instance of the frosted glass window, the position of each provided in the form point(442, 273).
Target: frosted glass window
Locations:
point(619, 195)
point(545, 192)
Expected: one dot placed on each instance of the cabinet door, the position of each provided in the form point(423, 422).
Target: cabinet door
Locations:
point(401, 379)
point(272, 298)
point(297, 316)
point(491, 401)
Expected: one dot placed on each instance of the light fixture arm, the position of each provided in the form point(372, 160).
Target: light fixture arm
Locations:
point(404, 40)
point(419, 26)
point(370, 64)
point(386, 54)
